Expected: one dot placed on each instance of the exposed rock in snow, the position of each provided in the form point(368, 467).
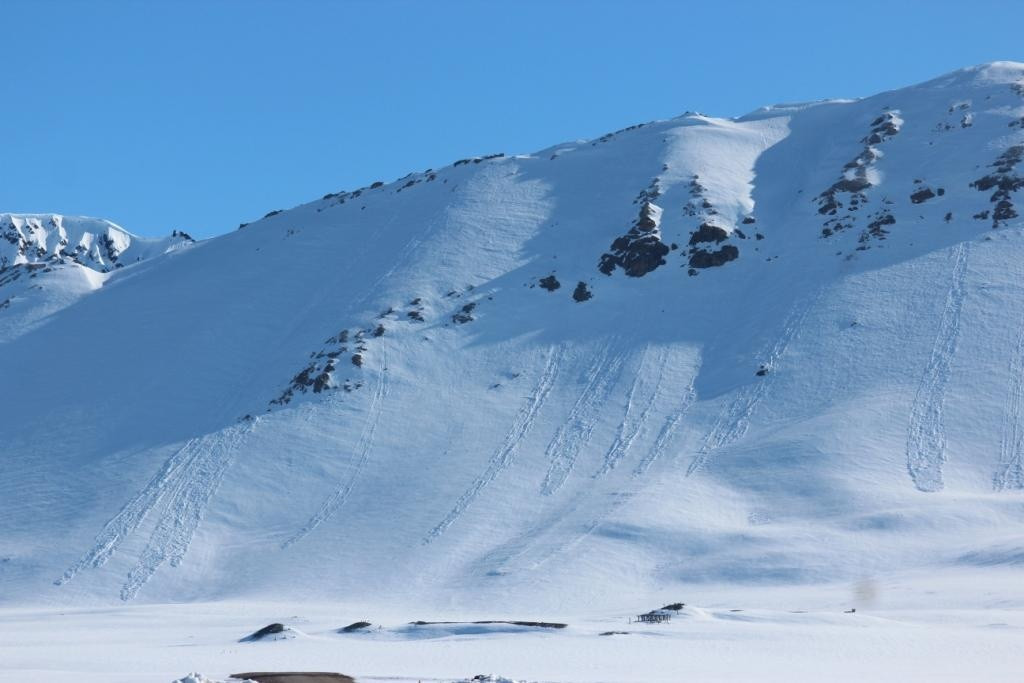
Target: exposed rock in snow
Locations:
point(836, 394)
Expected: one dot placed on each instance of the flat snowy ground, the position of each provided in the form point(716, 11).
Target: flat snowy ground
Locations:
point(957, 627)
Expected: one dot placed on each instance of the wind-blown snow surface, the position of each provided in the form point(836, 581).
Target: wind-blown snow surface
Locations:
point(780, 349)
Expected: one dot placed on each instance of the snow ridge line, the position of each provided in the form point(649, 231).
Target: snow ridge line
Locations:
point(337, 499)
point(190, 494)
point(571, 436)
point(926, 434)
point(629, 428)
point(132, 515)
point(505, 454)
point(668, 430)
point(734, 420)
point(1011, 446)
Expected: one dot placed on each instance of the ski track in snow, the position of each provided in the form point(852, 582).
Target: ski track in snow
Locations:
point(1011, 460)
point(180, 490)
point(505, 454)
point(557, 535)
point(190, 495)
point(668, 430)
point(575, 432)
point(732, 423)
point(125, 522)
point(926, 434)
point(633, 421)
point(363, 447)
point(544, 540)
point(621, 500)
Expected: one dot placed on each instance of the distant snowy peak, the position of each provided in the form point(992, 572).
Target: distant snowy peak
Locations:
point(688, 352)
point(91, 242)
point(50, 261)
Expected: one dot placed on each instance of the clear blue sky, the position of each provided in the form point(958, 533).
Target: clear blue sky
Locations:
point(201, 115)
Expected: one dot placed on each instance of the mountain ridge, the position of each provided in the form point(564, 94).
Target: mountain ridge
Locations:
point(693, 351)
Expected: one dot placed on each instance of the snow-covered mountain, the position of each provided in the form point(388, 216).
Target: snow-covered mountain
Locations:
point(47, 261)
point(782, 348)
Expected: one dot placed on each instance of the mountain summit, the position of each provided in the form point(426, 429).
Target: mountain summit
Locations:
point(782, 348)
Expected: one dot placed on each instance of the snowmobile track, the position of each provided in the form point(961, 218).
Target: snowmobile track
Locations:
point(1011, 447)
point(634, 421)
point(926, 434)
point(575, 432)
point(668, 430)
point(180, 492)
point(505, 454)
point(365, 444)
point(734, 420)
point(134, 513)
point(189, 496)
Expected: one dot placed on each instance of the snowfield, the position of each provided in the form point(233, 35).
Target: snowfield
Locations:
point(915, 628)
point(772, 364)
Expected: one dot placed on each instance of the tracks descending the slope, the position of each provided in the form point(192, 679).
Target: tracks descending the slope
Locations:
point(734, 420)
point(668, 429)
point(131, 516)
point(362, 450)
point(600, 379)
point(1010, 474)
point(926, 434)
point(505, 454)
point(179, 494)
point(642, 392)
point(185, 506)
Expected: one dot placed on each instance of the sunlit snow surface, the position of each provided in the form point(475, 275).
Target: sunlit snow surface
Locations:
point(907, 628)
point(429, 399)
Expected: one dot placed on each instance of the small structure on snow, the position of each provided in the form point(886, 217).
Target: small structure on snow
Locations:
point(654, 617)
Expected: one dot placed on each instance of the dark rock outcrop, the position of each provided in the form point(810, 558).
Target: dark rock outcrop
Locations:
point(582, 293)
point(550, 283)
point(700, 258)
point(640, 250)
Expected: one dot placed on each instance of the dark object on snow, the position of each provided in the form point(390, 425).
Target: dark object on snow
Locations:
point(654, 617)
point(357, 626)
point(762, 371)
point(582, 293)
point(465, 315)
point(700, 258)
point(535, 624)
point(357, 360)
point(640, 250)
point(615, 633)
point(922, 195)
point(268, 630)
point(550, 283)
point(851, 611)
point(708, 233)
point(675, 606)
point(294, 677)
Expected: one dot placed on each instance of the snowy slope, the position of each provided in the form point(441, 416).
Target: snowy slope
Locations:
point(48, 261)
point(786, 348)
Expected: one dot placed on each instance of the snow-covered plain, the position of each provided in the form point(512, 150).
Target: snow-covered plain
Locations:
point(913, 628)
point(774, 363)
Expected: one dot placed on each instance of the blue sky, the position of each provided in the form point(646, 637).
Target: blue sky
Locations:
point(201, 115)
